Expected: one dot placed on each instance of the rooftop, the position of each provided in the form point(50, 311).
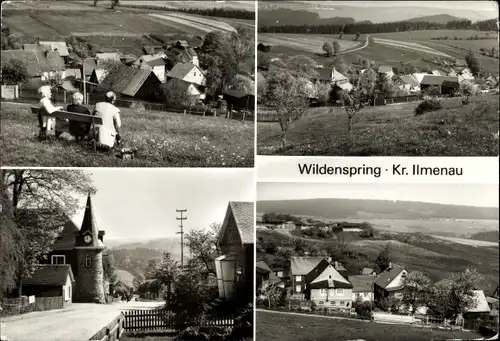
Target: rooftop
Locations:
point(50, 275)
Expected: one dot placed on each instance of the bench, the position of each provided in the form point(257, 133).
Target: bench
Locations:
point(72, 116)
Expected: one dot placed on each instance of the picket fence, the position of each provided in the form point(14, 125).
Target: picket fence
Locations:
point(163, 320)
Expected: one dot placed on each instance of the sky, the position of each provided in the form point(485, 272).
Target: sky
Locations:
point(383, 11)
point(134, 204)
point(451, 194)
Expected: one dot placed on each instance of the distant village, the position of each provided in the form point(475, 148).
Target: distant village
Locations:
point(446, 79)
point(166, 73)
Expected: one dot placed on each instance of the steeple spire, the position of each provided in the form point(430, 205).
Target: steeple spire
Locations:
point(89, 223)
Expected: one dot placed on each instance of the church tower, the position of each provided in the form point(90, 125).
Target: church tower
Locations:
point(89, 286)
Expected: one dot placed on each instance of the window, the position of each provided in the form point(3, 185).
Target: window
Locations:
point(334, 303)
point(321, 302)
point(342, 302)
point(322, 292)
point(88, 262)
point(58, 259)
point(332, 292)
point(340, 292)
point(298, 278)
point(298, 288)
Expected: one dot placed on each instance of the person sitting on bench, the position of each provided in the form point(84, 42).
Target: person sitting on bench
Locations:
point(46, 123)
point(78, 130)
point(109, 132)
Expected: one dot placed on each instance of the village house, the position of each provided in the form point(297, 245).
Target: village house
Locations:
point(408, 83)
point(108, 56)
point(192, 91)
point(265, 276)
point(181, 52)
point(447, 85)
point(340, 81)
point(419, 76)
point(98, 75)
point(131, 82)
point(239, 100)
point(389, 283)
point(235, 268)
point(41, 66)
point(52, 286)
point(153, 63)
point(128, 59)
point(299, 268)
point(387, 70)
point(187, 72)
point(328, 288)
point(362, 287)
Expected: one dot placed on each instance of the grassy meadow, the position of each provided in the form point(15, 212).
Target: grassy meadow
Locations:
point(273, 326)
point(163, 139)
point(391, 130)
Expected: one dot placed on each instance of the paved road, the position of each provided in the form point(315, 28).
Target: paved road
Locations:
point(79, 322)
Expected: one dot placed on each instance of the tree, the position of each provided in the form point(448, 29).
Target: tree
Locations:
point(433, 91)
point(173, 93)
point(114, 3)
point(357, 36)
point(163, 273)
point(242, 83)
point(328, 48)
point(41, 201)
point(261, 88)
point(340, 64)
point(9, 239)
point(56, 80)
point(138, 281)
point(11, 41)
point(272, 293)
point(302, 66)
point(287, 96)
point(451, 298)
point(353, 102)
point(341, 34)
point(336, 47)
point(189, 297)
point(14, 72)
point(416, 288)
point(473, 63)
point(95, 3)
point(109, 267)
point(466, 88)
point(323, 92)
point(263, 60)
point(363, 308)
point(366, 230)
point(384, 257)
point(203, 246)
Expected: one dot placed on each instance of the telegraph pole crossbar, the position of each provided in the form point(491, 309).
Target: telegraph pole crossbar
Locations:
point(181, 232)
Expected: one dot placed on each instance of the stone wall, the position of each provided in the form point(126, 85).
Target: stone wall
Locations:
point(89, 285)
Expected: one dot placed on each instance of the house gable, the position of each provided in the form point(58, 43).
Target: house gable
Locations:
point(229, 232)
point(330, 273)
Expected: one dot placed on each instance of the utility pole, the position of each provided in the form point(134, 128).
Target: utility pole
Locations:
point(181, 232)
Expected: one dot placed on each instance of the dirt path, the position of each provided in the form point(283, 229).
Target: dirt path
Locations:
point(358, 48)
point(79, 322)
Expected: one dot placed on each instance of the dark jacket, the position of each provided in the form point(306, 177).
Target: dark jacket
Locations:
point(78, 129)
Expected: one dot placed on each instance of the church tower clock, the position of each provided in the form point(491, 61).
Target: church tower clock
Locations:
point(89, 247)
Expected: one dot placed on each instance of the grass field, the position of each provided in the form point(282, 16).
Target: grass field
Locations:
point(307, 42)
point(276, 326)
point(390, 48)
point(391, 130)
point(163, 140)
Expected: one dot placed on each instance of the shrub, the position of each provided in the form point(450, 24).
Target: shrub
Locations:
point(427, 106)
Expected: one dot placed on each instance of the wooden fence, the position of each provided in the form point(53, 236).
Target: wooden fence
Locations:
point(112, 332)
point(163, 320)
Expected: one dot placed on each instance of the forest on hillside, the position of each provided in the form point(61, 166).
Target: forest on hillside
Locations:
point(367, 27)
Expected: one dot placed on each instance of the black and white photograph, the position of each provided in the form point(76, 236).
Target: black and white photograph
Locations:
point(126, 83)
point(392, 262)
point(377, 78)
point(124, 255)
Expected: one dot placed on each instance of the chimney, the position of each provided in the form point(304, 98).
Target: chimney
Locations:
point(390, 266)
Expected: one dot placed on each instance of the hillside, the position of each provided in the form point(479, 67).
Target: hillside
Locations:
point(438, 18)
point(134, 261)
point(488, 236)
point(284, 16)
point(354, 208)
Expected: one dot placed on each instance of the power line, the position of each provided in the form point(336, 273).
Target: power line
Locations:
point(181, 232)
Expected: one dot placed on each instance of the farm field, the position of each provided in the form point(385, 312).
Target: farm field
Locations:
point(465, 241)
point(428, 34)
point(241, 5)
point(293, 327)
point(473, 45)
point(391, 130)
point(307, 42)
point(163, 140)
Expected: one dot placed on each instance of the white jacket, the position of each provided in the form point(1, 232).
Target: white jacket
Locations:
point(110, 115)
point(48, 122)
